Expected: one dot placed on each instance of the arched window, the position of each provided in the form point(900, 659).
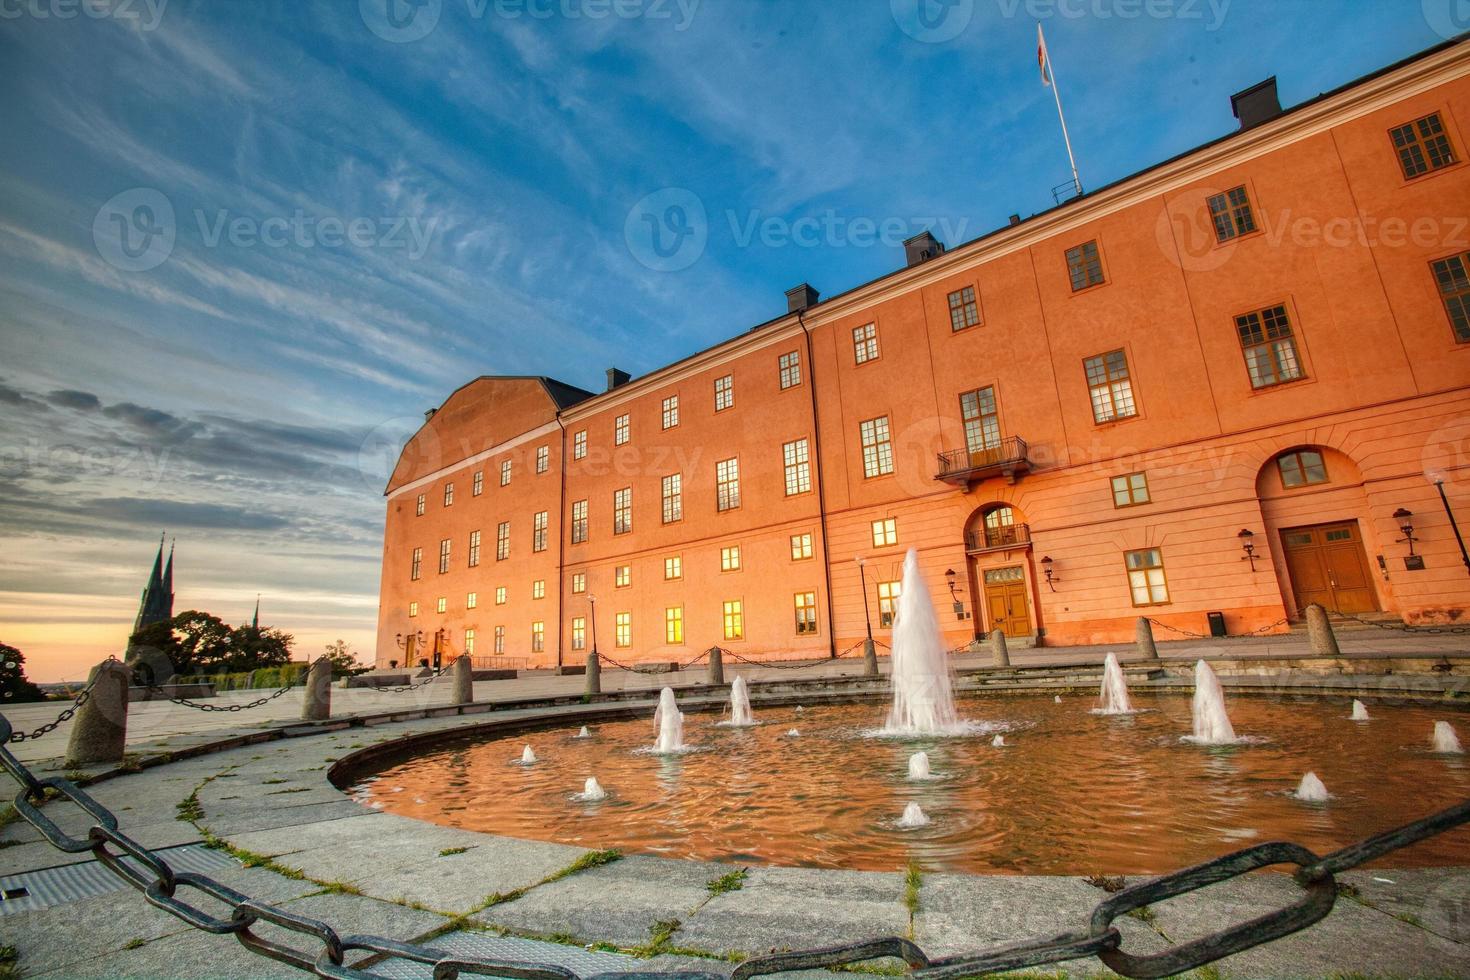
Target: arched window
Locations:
point(1000, 527)
point(1301, 468)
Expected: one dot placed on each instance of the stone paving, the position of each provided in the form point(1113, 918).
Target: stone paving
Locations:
point(318, 853)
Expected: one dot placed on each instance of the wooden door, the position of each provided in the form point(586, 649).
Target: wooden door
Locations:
point(1328, 567)
point(1005, 601)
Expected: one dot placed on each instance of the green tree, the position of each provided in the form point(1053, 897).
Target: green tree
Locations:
point(193, 642)
point(14, 688)
point(251, 648)
point(344, 661)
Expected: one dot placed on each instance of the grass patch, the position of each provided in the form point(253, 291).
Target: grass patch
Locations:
point(451, 851)
point(913, 880)
point(8, 816)
point(1143, 914)
point(592, 859)
point(9, 963)
point(1108, 883)
point(1208, 973)
point(272, 782)
point(189, 809)
point(659, 936)
point(294, 789)
point(732, 882)
point(135, 944)
point(1410, 918)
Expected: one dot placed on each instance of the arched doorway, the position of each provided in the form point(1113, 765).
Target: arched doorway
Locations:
point(998, 550)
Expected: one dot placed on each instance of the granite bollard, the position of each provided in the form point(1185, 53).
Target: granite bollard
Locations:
point(317, 703)
point(594, 674)
point(998, 648)
point(462, 673)
point(716, 672)
point(870, 658)
point(1320, 636)
point(1144, 639)
point(101, 728)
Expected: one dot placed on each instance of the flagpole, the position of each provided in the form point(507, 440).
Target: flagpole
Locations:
point(1056, 91)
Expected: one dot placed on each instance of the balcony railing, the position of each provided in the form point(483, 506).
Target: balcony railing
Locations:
point(963, 467)
point(995, 538)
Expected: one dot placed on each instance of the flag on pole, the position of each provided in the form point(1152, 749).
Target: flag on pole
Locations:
point(1043, 60)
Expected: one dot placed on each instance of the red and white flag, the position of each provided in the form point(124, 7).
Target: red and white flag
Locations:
point(1043, 60)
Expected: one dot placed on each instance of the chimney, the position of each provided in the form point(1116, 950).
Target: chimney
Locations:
point(1257, 104)
point(430, 414)
point(616, 378)
point(1015, 220)
point(922, 247)
point(800, 298)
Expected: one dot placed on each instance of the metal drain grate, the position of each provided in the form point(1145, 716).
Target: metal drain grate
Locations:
point(46, 889)
point(583, 962)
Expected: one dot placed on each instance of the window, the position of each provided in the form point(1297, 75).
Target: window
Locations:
point(620, 430)
point(538, 530)
point(790, 370)
point(865, 343)
point(671, 411)
point(1084, 265)
point(1231, 214)
point(1422, 145)
point(888, 593)
point(579, 632)
point(500, 595)
point(579, 445)
point(543, 458)
point(982, 420)
point(502, 541)
point(1000, 528)
point(416, 571)
point(538, 637)
point(474, 549)
point(505, 473)
point(623, 576)
point(469, 643)
point(801, 547)
point(1130, 489)
point(579, 583)
point(538, 589)
point(674, 624)
point(798, 468)
point(730, 559)
point(1301, 468)
point(623, 510)
point(499, 639)
point(734, 620)
point(623, 629)
point(472, 600)
point(1110, 387)
point(806, 613)
point(448, 495)
point(673, 497)
point(478, 486)
point(579, 521)
point(1270, 349)
point(963, 310)
point(1453, 279)
point(442, 605)
point(877, 449)
point(724, 392)
point(413, 609)
point(727, 484)
point(1146, 577)
point(444, 547)
point(885, 533)
point(673, 568)
point(420, 505)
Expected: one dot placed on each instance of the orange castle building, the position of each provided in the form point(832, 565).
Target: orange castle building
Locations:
point(1226, 384)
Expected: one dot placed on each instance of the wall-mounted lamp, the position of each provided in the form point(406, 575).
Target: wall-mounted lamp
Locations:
point(950, 576)
point(418, 639)
point(1406, 526)
point(1046, 569)
point(1248, 545)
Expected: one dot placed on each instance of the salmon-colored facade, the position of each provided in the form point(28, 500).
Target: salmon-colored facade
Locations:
point(1266, 334)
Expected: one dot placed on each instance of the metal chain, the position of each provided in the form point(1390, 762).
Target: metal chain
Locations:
point(1230, 636)
point(82, 697)
point(1399, 627)
point(163, 888)
point(774, 664)
point(410, 687)
point(650, 670)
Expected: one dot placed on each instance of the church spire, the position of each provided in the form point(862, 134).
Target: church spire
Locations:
point(255, 622)
point(157, 603)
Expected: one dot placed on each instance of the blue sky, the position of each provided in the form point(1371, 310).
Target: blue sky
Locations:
point(335, 216)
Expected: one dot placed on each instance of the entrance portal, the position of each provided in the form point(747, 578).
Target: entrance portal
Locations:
point(1328, 567)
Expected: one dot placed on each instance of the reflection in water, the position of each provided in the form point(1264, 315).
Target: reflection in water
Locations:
point(1072, 793)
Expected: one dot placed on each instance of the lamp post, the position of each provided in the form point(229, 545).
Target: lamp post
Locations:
point(1406, 527)
point(592, 602)
point(1051, 576)
point(870, 652)
point(1454, 525)
point(1248, 545)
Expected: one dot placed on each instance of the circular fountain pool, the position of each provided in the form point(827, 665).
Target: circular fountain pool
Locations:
point(1070, 792)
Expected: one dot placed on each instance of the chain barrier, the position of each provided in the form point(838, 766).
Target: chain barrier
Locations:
point(403, 688)
point(163, 888)
point(1229, 636)
point(199, 706)
point(664, 669)
point(774, 664)
point(66, 715)
point(1398, 627)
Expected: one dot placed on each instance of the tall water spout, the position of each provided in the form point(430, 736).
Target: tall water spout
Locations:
point(1445, 739)
point(584, 733)
point(740, 704)
point(668, 720)
point(528, 757)
point(1311, 790)
point(1360, 711)
point(919, 765)
point(913, 816)
point(1114, 697)
point(999, 742)
point(592, 791)
point(923, 696)
point(1211, 723)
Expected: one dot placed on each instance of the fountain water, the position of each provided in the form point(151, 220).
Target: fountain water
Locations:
point(1211, 723)
point(1445, 739)
point(919, 765)
point(592, 791)
point(1311, 790)
point(1360, 711)
point(740, 715)
point(923, 696)
point(1114, 697)
point(913, 816)
point(792, 733)
point(1057, 699)
point(584, 733)
point(668, 720)
point(528, 757)
point(999, 742)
